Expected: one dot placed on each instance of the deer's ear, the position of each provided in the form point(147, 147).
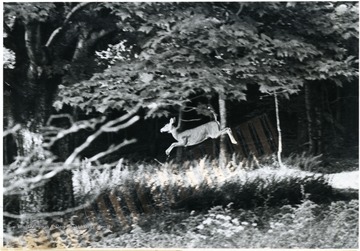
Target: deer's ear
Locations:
point(172, 120)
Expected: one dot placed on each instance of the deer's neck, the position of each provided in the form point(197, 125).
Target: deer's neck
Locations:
point(175, 133)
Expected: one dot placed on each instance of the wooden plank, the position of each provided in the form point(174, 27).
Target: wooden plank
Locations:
point(248, 139)
point(130, 204)
point(274, 138)
point(145, 203)
point(257, 142)
point(264, 141)
point(104, 211)
point(271, 128)
point(240, 141)
point(119, 212)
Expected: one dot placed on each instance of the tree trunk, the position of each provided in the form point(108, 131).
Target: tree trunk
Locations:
point(179, 150)
point(222, 113)
point(279, 151)
point(9, 146)
point(314, 96)
point(318, 138)
point(31, 103)
point(32, 201)
point(309, 117)
point(59, 189)
point(34, 84)
point(338, 104)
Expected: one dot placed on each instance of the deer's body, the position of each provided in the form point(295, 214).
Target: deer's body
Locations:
point(195, 135)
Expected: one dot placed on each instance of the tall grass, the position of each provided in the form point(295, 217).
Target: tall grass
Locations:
point(201, 184)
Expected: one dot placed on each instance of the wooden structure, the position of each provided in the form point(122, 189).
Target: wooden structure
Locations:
point(256, 136)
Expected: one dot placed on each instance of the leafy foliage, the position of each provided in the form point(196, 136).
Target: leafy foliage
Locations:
point(190, 49)
point(29, 12)
point(8, 58)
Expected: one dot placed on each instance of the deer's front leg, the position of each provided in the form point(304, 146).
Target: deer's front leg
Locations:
point(175, 144)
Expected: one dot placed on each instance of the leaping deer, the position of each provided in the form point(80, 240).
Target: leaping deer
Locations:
point(196, 135)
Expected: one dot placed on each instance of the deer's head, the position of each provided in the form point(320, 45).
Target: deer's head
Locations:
point(169, 126)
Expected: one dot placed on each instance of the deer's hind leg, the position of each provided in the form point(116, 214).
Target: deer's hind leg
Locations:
point(228, 131)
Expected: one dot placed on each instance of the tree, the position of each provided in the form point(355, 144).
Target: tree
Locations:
point(212, 49)
point(17, 180)
point(53, 43)
point(330, 32)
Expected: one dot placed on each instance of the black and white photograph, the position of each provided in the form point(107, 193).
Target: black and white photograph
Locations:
point(227, 125)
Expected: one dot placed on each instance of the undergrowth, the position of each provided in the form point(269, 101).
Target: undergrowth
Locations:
point(198, 204)
point(307, 225)
point(304, 162)
point(201, 184)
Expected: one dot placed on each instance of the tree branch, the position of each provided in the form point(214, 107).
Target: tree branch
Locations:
point(66, 22)
point(12, 130)
point(73, 129)
point(45, 172)
point(111, 149)
point(50, 214)
point(240, 9)
point(108, 127)
point(111, 127)
point(87, 41)
point(91, 138)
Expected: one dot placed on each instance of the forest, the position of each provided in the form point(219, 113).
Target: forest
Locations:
point(180, 124)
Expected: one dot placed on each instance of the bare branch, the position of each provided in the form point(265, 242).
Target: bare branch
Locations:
point(111, 149)
point(77, 126)
point(12, 130)
point(113, 128)
point(44, 173)
point(66, 22)
point(87, 40)
point(105, 128)
point(25, 167)
point(240, 9)
point(108, 127)
point(49, 214)
point(56, 116)
point(190, 120)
